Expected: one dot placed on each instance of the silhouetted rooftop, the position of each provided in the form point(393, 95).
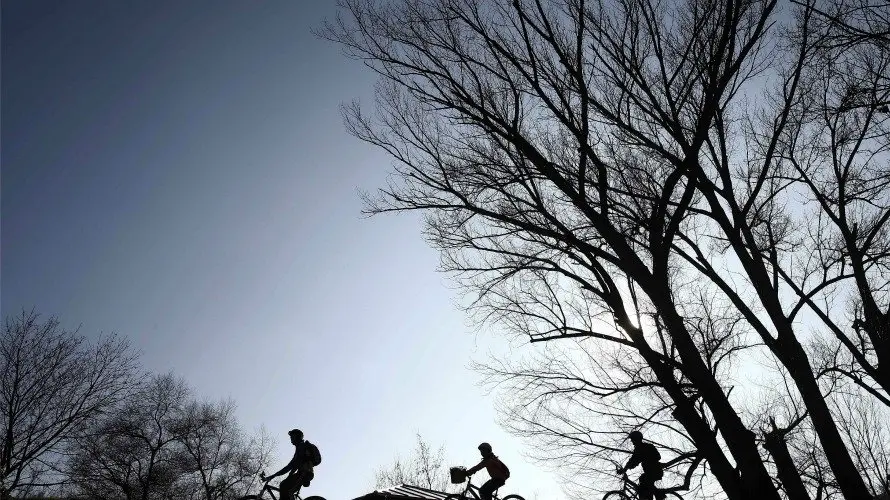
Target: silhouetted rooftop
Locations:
point(404, 492)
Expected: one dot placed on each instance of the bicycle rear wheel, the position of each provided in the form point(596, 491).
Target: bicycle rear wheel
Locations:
point(316, 497)
point(512, 497)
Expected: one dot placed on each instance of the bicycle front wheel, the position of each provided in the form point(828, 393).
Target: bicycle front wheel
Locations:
point(512, 497)
point(616, 495)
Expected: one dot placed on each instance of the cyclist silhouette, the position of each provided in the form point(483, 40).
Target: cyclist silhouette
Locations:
point(496, 469)
point(647, 455)
point(299, 469)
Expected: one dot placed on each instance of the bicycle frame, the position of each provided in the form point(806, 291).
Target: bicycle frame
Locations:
point(262, 493)
point(628, 489)
point(631, 490)
point(268, 488)
point(474, 490)
point(272, 489)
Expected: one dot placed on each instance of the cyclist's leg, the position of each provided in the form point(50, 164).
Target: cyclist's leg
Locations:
point(289, 487)
point(487, 489)
point(646, 486)
point(657, 474)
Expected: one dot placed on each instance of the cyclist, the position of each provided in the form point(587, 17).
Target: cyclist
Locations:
point(647, 455)
point(496, 469)
point(299, 469)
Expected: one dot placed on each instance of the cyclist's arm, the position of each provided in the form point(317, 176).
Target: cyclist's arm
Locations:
point(477, 468)
point(634, 461)
point(287, 468)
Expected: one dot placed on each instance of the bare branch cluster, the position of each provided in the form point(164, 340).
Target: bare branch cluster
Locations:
point(424, 467)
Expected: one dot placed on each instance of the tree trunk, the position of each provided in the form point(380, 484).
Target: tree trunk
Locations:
point(794, 358)
point(700, 433)
point(788, 473)
point(754, 480)
point(790, 353)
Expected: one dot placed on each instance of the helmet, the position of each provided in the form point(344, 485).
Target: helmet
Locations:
point(635, 436)
point(295, 432)
point(485, 447)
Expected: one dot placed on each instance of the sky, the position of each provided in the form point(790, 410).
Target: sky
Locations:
point(179, 173)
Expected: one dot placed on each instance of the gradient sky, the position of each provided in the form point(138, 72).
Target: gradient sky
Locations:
point(178, 172)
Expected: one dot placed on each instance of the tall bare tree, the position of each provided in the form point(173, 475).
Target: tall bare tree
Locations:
point(54, 384)
point(593, 169)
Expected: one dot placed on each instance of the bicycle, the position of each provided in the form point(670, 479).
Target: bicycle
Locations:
point(472, 491)
point(628, 491)
point(268, 488)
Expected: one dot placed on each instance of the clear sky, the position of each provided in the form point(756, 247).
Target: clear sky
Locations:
point(178, 172)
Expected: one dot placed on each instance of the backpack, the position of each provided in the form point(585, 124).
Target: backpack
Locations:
point(504, 468)
point(313, 454)
point(649, 453)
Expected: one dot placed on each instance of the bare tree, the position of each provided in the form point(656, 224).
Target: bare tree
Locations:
point(424, 467)
point(53, 385)
point(163, 443)
point(217, 459)
point(592, 169)
point(131, 454)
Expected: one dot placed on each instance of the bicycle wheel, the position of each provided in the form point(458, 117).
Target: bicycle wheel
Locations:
point(314, 498)
point(616, 495)
point(512, 497)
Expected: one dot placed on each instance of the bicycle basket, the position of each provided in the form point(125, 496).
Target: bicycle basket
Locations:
point(458, 475)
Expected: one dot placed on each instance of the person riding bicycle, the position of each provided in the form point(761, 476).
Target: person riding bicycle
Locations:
point(496, 469)
point(299, 470)
point(647, 455)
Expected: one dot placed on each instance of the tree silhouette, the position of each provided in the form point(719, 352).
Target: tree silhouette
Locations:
point(162, 443)
point(131, 453)
point(53, 386)
point(218, 460)
point(684, 185)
